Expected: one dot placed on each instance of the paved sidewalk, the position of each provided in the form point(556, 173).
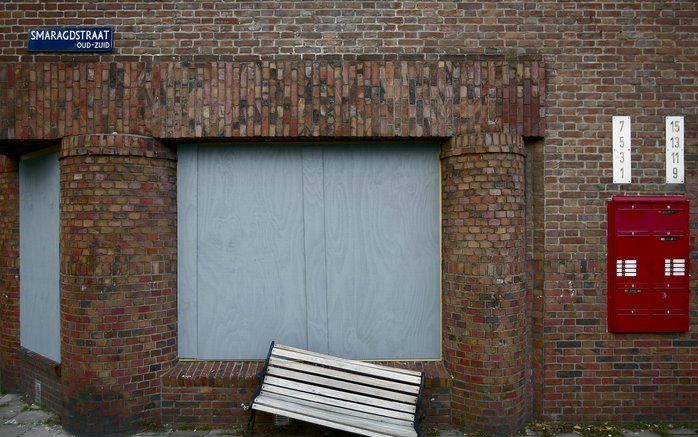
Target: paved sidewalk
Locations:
point(17, 419)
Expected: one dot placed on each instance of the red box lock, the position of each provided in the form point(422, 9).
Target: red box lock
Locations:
point(648, 262)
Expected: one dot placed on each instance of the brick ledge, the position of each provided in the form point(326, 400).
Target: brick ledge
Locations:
point(41, 361)
point(212, 373)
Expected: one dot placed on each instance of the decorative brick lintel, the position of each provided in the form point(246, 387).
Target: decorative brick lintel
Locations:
point(273, 99)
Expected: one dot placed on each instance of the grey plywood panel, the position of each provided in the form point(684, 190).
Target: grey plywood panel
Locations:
point(382, 227)
point(314, 226)
point(187, 189)
point(39, 309)
point(335, 249)
point(251, 263)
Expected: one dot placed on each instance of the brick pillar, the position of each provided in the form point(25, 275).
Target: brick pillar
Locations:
point(484, 298)
point(118, 273)
point(9, 274)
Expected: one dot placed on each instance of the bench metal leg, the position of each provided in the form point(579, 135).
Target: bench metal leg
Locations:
point(250, 423)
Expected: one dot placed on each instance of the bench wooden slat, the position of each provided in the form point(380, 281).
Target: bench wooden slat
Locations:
point(309, 388)
point(351, 423)
point(354, 396)
point(336, 409)
point(344, 404)
point(343, 385)
point(361, 379)
point(364, 363)
point(352, 366)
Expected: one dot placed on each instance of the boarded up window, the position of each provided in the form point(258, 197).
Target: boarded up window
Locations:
point(39, 310)
point(332, 248)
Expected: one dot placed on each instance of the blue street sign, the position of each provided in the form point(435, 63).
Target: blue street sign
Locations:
point(70, 39)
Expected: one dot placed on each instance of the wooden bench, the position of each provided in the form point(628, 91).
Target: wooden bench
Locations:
point(348, 395)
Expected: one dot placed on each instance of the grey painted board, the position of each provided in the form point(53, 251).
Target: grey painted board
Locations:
point(251, 265)
point(330, 248)
point(39, 264)
point(314, 222)
point(187, 277)
point(382, 226)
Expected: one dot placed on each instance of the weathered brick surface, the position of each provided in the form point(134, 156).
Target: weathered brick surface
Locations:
point(177, 73)
point(118, 279)
point(9, 274)
point(36, 368)
point(271, 99)
point(484, 307)
point(347, 29)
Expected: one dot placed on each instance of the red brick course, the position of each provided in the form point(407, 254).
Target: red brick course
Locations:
point(118, 279)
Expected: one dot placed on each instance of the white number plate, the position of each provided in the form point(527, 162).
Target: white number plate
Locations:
point(621, 150)
point(674, 150)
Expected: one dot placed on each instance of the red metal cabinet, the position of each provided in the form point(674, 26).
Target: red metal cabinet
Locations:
point(648, 261)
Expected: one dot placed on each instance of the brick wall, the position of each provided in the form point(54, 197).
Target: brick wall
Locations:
point(36, 368)
point(598, 58)
point(605, 59)
point(251, 30)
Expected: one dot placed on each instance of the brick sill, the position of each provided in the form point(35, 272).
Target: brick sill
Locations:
point(243, 374)
point(41, 361)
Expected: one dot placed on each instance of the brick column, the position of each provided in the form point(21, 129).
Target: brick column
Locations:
point(9, 274)
point(118, 273)
point(484, 307)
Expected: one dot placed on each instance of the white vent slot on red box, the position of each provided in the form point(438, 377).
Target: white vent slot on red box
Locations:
point(626, 267)
point(675, 267)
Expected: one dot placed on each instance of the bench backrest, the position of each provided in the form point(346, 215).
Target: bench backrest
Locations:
point(363, 387)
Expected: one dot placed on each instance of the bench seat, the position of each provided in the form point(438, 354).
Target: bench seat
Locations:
point(348, 395)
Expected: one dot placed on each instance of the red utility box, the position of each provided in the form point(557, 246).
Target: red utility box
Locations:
point(648, 260)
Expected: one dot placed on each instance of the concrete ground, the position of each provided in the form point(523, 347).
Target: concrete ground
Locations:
point(18, 419)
